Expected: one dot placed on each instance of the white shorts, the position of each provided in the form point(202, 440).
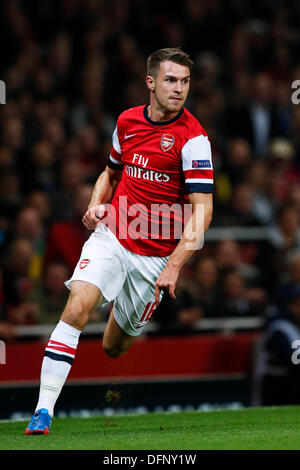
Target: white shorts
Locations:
point(125, 277)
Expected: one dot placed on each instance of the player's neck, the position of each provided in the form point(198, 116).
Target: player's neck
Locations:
point(155, 113)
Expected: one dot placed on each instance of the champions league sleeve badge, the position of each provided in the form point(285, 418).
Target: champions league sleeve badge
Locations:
point(201, 164)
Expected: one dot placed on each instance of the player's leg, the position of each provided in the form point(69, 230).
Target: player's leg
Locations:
point(83, 300)
point(99, 273)
point(61, 349)
point(115, 341)
point(134, 305)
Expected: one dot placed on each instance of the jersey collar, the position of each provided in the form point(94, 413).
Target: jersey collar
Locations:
point(162, 123)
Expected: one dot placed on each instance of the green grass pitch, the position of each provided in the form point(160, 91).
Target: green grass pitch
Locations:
point(248, 428)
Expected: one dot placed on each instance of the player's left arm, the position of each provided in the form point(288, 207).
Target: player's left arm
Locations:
point(202, 209)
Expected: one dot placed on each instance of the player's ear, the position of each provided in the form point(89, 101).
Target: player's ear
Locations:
point(150, 83)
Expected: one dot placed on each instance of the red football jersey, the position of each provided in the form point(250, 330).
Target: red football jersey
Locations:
point(162, 163)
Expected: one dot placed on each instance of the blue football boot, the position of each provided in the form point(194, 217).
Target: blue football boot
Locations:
point(40, 423)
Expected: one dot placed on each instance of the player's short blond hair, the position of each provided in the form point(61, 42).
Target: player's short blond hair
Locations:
point(174, 54)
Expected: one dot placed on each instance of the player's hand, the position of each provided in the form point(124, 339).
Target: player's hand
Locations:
point(167, 282)
point(93, 216)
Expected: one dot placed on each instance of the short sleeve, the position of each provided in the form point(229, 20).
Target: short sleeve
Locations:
point(197, 165)
point(115, 160)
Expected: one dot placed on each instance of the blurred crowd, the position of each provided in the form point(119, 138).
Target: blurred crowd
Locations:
point(71, 67)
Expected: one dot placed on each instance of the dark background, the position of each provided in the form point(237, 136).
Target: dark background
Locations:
point(70, 68)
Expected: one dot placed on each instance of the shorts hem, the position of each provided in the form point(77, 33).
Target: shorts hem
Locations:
point(131, 332)
point(69, 281)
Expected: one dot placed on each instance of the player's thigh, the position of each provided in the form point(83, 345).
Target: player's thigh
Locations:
point(135, 304)
point(115, 341)
point(83, 300)
point(101, 263)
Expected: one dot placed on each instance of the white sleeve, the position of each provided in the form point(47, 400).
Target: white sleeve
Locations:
point(197, 165)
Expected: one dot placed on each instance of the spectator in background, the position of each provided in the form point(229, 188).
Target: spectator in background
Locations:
point(60, 61)
point(6, 159)
point(231, 172)
point(59, 248)
point(88, 108)
point(71, 177)
point(50, 294)
point(60, 108)
point(235, 299)
point(89, 149)
point(41, 174)
point(196, 297)
point(43, 83)
point(296, 130)
point(243, 206)
point(283, 106)
point(28, 226)
point(272, 198)
point(262, 117)
point(11, 198)
point(281, 160)
point(187, 318)
point(240, 211)
point(17, 284)
point(293, 195)
point(7, 330)
point(13, 138)
point(71, 152)
point(255, 120)
point(204, 289)
point(283, 237)
point(40, 201)
point(289, 278)
point(243, 258)
point(229, 254)
point(286, 233)
point(10, 202)
point(238, 158)
point(53, 131)
point(257, 176)
point(200, 293)
point(277, 376)
point(181, 315)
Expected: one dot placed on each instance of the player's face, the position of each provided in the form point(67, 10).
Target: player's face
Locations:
point(171, 86)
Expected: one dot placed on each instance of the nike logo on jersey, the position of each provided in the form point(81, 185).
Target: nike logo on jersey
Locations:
point(128, 136)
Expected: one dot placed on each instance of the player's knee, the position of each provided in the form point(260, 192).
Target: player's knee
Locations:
point(74, 313)
point(112, 351)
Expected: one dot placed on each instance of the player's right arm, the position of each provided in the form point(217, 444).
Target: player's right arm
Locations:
point(103, 192)
point(105, 186)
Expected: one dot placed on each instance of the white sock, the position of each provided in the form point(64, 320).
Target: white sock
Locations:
point(59, 355)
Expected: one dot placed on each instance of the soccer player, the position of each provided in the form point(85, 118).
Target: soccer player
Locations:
point(160, 156)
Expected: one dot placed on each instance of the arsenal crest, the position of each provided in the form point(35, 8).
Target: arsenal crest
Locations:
point(84, 263)
point(167, 142)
